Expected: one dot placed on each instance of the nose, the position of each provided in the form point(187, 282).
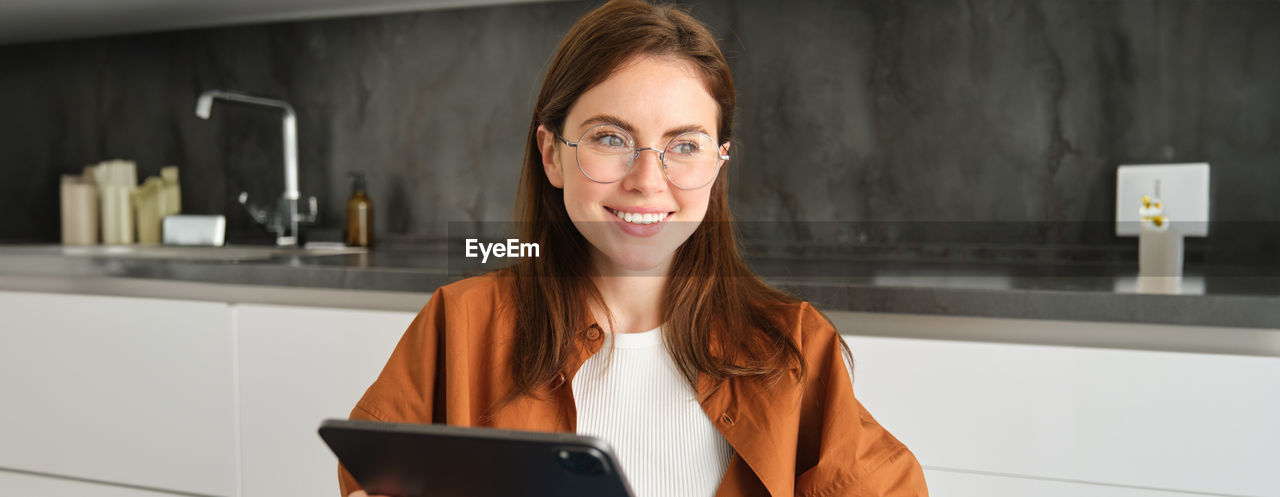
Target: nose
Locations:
point(646, 174)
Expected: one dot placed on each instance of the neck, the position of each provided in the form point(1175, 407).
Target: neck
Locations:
point(633, 298)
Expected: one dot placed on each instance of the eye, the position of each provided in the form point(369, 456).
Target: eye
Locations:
point(610, 140)
point(686, 148)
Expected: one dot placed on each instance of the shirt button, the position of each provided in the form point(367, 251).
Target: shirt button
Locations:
point(593, 333)
point(726, 419)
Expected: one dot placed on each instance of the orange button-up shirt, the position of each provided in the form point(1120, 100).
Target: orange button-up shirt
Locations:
point(810, 438)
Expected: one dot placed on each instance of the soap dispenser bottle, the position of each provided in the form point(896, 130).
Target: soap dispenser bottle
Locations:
point(359, 213)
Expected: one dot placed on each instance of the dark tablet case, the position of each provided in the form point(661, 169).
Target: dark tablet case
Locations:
point(412, 460)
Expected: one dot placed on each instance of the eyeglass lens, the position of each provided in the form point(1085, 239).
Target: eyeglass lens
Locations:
point(606, 154)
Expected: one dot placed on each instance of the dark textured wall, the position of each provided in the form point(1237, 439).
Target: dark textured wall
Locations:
point(1007, 111)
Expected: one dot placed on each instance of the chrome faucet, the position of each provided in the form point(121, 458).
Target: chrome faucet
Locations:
point(284, 219)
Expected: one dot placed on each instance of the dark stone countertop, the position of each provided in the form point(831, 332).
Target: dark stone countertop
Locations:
point(1021, 286)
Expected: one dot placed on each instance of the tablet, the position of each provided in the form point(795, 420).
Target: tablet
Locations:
point(413, 460)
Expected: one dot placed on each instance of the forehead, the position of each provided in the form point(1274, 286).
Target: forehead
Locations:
point(654, 93)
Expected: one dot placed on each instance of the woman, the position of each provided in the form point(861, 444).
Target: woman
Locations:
point(712, 382)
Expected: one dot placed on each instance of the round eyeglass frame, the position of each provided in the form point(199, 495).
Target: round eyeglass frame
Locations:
point(631, 164)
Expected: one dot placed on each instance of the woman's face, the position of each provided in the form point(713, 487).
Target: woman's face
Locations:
point(654, 99)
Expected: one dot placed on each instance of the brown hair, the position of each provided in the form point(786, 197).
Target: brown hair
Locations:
point(710, 287)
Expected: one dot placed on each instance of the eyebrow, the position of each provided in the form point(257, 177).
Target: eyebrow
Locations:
point(621, 123)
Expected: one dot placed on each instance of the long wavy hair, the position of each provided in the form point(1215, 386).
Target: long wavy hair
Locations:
point(710, 288)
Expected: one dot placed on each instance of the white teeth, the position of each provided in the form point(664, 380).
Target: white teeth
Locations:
point(638, 218)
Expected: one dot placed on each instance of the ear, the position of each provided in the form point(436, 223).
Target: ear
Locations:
point(724, 150)
point(550, 160)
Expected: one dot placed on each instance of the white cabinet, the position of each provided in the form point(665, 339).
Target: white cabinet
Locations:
point(298, 366)
point(120, 390)
point(136, 397)
point(943, 483)
point(133, 397)
point(1110, 418)
point(20, 484)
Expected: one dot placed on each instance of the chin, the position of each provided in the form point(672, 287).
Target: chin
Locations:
point(637, 259)
point(622, 253)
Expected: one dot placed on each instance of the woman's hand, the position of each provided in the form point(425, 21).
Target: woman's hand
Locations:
point(360, 493)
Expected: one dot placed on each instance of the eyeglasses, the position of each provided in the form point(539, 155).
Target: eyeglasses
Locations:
point(606, 154)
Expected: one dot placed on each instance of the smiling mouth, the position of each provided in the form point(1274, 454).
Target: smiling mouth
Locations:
point(640, 218)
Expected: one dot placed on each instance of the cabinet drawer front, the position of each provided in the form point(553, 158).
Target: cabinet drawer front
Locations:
point(122, 390)
point(1165, 420)
point(298, 366)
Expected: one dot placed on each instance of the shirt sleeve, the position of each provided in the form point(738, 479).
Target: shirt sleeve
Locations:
point(405, 391)
point(842, 449)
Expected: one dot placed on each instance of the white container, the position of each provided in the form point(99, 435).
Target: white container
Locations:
point(149, 205)
point(1159, 252)
point(117, 215)
point(116, 180)
point(186, 229)
point(172, 193)
point(79, 202)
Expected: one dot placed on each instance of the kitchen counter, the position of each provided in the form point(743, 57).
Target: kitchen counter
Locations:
point(1100, 291)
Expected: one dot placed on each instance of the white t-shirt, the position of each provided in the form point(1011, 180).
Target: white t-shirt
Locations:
point(646, 411)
